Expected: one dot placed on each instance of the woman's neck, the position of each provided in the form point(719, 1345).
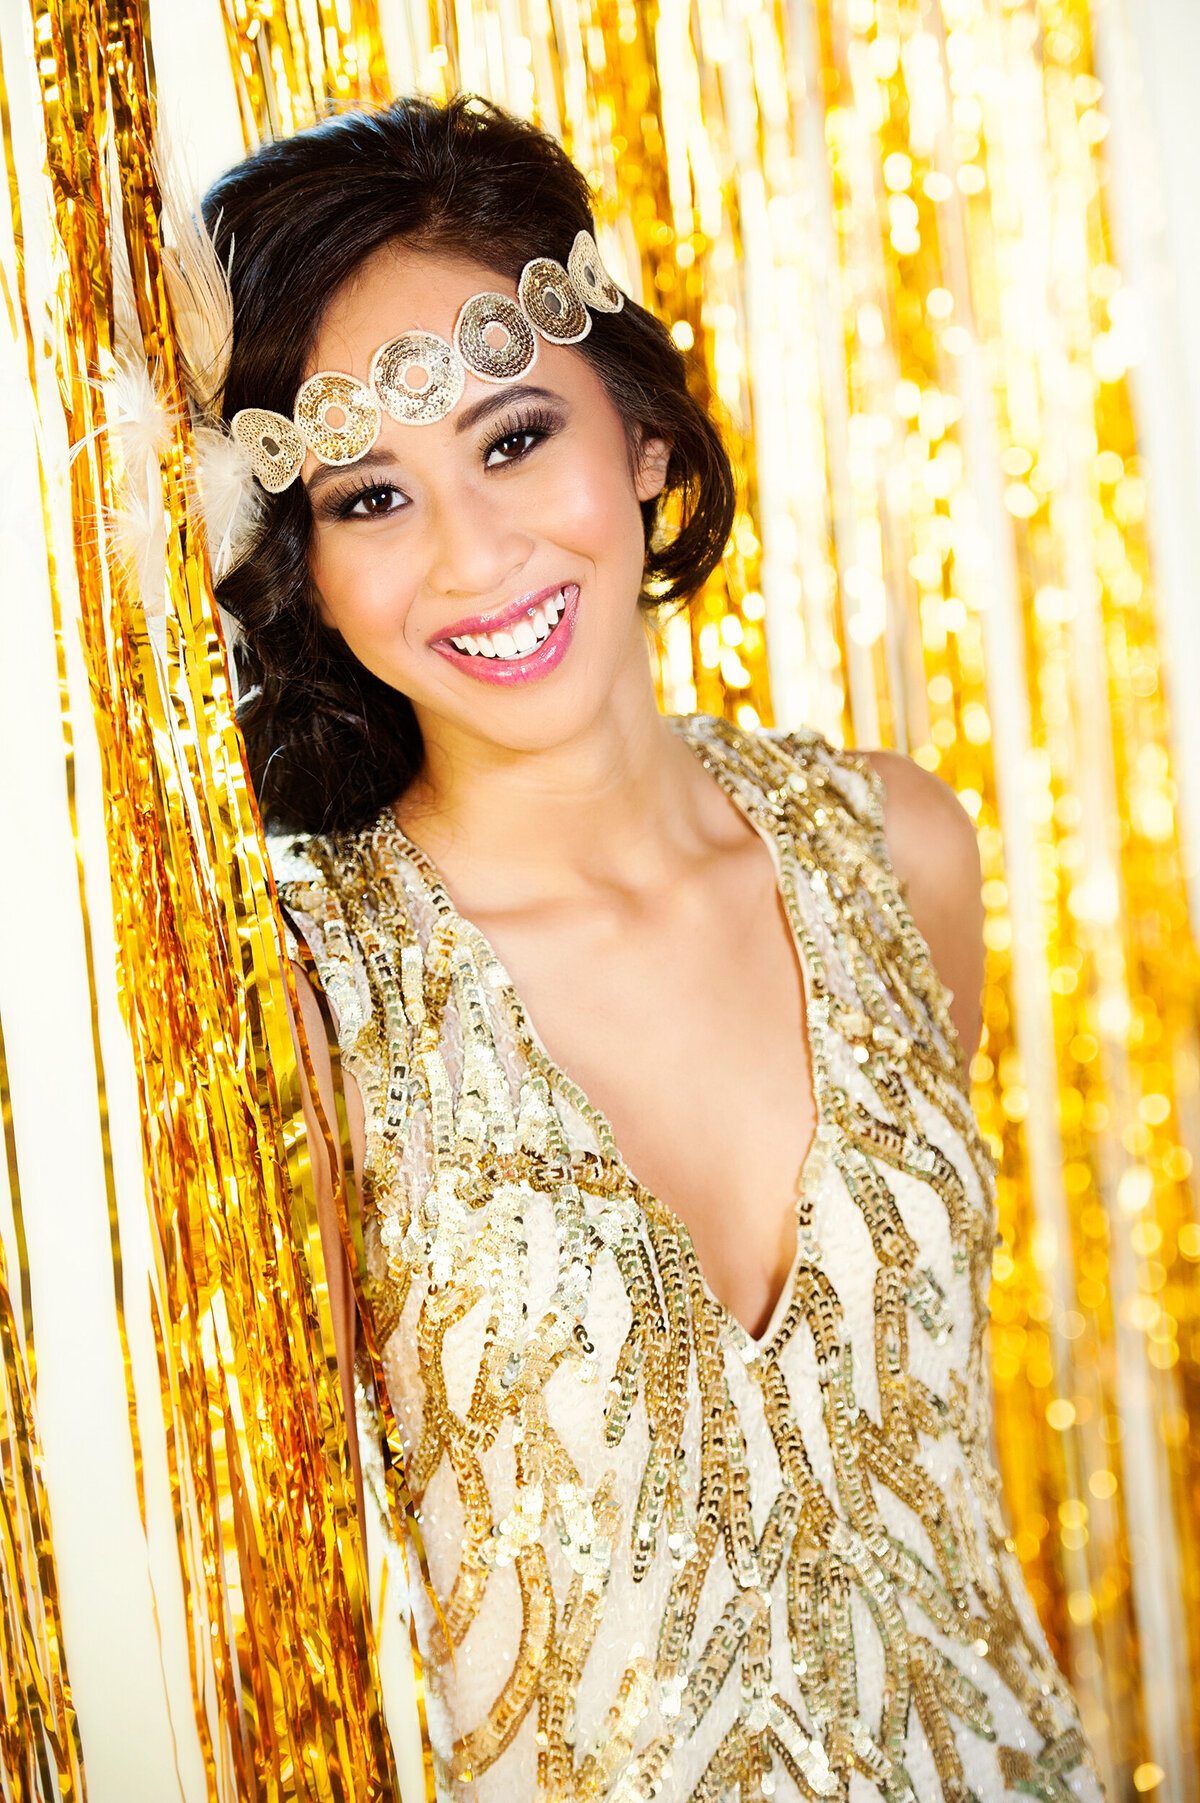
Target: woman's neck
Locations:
point(624, 803)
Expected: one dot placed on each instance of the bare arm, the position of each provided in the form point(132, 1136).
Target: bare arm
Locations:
point(935, 854)
point(341, 1287)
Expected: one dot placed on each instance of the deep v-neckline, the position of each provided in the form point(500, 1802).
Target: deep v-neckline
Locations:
point(559, 1079)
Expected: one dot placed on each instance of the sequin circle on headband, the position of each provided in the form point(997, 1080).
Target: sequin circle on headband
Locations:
point(420, 402)
point(494, 338)
point(337, 417)
point(273, 445)
point(551, 300)
point(590, 277)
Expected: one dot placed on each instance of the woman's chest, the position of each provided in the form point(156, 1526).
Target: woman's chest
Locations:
point(686, 1031)
point(659, 1121)
point(519, 1247)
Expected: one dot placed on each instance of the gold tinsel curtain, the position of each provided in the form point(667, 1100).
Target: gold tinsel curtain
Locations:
point(880, 229)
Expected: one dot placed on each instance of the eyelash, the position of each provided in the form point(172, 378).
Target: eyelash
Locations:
point(537, 425)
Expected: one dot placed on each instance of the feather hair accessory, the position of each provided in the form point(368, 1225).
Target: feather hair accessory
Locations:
point(202, 313)
point(229, 496)
point(229, 501)
point(197, 288)
point(144, 426)
point(144, 422)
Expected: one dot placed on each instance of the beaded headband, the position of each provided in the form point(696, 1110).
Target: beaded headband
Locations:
point(418, 377)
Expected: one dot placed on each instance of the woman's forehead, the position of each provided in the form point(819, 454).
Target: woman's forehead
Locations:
point(397, 289)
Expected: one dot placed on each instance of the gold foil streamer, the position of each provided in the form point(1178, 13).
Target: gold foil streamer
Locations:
point(39, 1741)
point(1014, 557)
point(290, 61)
point(39, 1726)
point(252, 1404)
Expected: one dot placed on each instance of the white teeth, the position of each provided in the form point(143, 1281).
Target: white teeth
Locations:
point(524, 637)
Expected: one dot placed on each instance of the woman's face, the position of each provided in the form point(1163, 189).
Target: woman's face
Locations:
point(488, 565)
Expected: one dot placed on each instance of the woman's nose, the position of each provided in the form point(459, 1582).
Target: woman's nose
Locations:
point(476, 545)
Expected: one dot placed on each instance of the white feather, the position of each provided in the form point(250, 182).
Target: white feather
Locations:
point(197, 286)
point(233, 638)
point(127, 331)
point(144, 429)
point(145, 424)
point(229, 498)
point(230, 502)
point(142, 538)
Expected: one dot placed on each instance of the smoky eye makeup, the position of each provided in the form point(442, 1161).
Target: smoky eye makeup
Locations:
point(342, 501)
point(338, 501)
point(350, 505)
point(535, 424)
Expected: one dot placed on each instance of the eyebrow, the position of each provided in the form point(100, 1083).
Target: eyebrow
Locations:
point(328, 472)
point(464, 421)
point(500, 397)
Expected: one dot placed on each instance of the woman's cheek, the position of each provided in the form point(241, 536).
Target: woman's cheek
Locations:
point(364, 590)
point(366, 604)
point(590, 506)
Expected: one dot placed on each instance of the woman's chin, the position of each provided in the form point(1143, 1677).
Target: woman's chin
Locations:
point(540, 717)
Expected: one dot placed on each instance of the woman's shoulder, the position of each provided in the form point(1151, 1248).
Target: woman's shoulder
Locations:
point(933, 849)
point(329, 894)
point(931, 841)
point(912, 824)
point(772, 758)
point(927, 833)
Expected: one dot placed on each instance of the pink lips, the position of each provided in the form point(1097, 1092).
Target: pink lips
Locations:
point(508, 671)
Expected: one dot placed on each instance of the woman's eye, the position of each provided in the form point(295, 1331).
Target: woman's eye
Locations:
point(512, 446)
point(373, 502)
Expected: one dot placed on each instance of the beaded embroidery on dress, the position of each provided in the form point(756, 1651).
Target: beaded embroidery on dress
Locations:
point(676, 1561)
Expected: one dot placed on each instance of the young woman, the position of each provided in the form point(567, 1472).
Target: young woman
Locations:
point(654, 1031)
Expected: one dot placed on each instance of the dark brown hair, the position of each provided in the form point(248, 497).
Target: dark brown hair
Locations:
point(330, 744)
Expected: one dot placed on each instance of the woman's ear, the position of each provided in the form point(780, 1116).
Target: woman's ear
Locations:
point(650, 475)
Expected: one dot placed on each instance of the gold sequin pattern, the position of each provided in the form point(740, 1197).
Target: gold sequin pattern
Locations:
point(273, 445)
point(549, 297)
point(337, 417)
point(494, 338)
point(423, 402)
point(944, 1599)
point(589, 275)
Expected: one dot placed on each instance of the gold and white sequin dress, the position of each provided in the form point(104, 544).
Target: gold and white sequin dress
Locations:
point(676, 1561)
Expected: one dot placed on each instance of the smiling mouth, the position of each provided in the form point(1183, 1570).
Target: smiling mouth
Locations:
point(519, 640)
